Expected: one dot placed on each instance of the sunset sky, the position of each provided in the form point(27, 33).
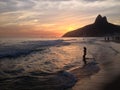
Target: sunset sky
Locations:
point(52, 18)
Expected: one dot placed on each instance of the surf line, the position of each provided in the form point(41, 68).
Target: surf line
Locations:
point(89, 68)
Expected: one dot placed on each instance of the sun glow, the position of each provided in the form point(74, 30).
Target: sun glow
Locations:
point(70, 28)
point(73, 27)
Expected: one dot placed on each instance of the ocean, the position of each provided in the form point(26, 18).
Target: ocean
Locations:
point(49, 63)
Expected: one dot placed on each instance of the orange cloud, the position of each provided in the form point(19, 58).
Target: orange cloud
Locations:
point(25, 31)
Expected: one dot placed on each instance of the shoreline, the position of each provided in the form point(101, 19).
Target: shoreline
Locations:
point(108, 77)
point(86, 71)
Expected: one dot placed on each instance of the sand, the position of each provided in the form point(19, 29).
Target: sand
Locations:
point(107, 76)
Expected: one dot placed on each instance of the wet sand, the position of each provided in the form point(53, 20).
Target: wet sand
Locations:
point(113, 85)
point(86, 71)
point(108, 77)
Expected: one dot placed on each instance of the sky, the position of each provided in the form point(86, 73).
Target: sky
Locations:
point(52, 18)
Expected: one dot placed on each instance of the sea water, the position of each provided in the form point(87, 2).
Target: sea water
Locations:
point(50, 63)
point(39, 63)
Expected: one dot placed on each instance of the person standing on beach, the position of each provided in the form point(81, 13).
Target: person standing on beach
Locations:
point(84, 55)
point(85, 51)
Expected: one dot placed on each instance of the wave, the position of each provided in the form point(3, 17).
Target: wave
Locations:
point(60, 80)
point(87, 70)
point(24, 48)
point(40, 71)
point(36, 80)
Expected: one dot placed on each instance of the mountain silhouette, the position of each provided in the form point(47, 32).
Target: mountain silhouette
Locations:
point(101, 27)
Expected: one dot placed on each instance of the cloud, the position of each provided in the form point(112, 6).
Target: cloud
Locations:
point(53, 0)
point(59, 12)
point(25, 31)
point(15, 5)
point(94, 0)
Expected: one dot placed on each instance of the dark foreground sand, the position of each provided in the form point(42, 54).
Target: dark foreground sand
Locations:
point(113, 85)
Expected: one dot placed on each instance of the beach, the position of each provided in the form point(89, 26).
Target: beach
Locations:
point(107, 78)
point(57, 64)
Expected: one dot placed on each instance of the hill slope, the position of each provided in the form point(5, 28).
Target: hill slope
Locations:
point(100, 27)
